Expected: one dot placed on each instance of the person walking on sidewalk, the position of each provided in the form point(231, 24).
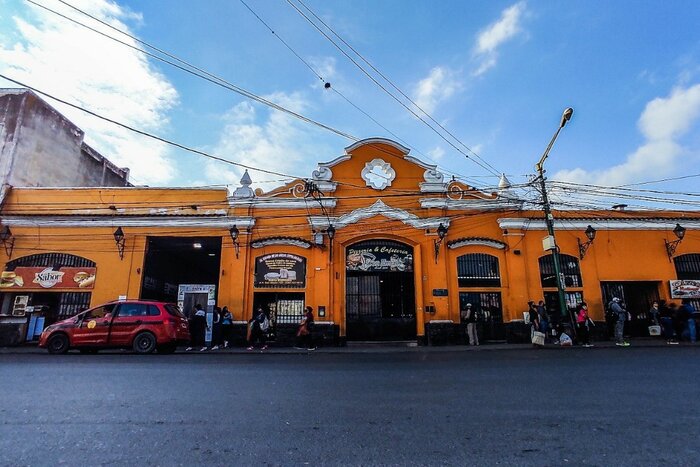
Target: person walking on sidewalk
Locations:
point(469, 315)
point(620, 316)
point(257, 327)
point(666, 315)
point(304, 332)
point(198, 327)
point(685, 313)
point(583, 323)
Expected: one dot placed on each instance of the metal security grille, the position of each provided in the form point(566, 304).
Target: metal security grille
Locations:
point(363, 299)
point(489, 310)
point(687, 266)
point(72, 303)
point(569, 267)
point(54, 260)
point(478, 270)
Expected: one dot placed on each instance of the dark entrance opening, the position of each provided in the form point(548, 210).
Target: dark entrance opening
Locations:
point(637, 297)
point(171, 261)
point(489, 312)
point(380, 294)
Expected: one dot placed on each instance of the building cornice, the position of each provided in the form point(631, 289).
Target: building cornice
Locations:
point(222, 222)
point(370, 141)
point(469, 204)
point(598, 224)
point(379, 208)
point(476, 241)
point(293, 241)
point(282, 203)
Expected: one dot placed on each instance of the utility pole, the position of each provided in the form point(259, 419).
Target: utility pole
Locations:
point(550, 242)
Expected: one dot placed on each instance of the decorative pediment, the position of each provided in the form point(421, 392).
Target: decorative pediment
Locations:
point(379, 208)
point(292, 241)
point(478, 241)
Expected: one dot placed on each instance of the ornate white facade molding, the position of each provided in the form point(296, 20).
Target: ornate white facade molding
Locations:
point(469, 204)
point(434, 181)
point(379, 209)
point(370, 141)
point(378, 174)
point(478, 241)
point(598, 224)
point(283, 203)
point(222, 222)
point(263, 242)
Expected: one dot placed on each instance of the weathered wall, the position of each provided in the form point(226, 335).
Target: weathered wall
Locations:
point(40, 147)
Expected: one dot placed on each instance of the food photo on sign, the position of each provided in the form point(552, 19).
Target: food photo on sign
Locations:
point(48, 278)
point(280, 270)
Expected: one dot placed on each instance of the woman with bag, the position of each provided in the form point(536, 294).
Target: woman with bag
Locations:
point(535, 335)
point(583, 323)
point(226, 326)
point(255, 329)
point(304, 336)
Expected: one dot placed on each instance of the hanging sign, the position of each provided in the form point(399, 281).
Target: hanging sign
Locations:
point(280, 270)
point(379, 258)
point(48, 278)
point(685, 289)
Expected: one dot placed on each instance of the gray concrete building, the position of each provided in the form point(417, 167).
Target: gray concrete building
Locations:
point(39, 147)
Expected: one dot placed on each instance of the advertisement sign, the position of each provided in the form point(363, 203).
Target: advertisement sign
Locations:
point(379, 258)
point(685, 289)
point(280, 270)
point(26, 278)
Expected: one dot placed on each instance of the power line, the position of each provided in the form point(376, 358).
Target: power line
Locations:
point(484, 164)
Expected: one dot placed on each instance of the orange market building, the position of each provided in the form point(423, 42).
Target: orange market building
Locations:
point(381, 245)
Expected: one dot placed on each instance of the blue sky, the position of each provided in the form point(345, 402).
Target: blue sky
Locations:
point(497, 74)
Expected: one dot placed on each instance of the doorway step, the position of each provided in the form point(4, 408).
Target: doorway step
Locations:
point(382, 343)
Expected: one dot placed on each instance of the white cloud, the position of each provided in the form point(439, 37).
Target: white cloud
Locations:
point(78, 65)
point(278, 143)
point(438, 86)
point(664, 120)
point(495, 35)
point(437, 153)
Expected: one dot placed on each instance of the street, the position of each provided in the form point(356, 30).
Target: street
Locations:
point(632, 406)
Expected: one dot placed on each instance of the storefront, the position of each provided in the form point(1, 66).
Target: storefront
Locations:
point(381, 245)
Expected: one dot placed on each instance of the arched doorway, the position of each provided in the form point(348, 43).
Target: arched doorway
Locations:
point(379, 291)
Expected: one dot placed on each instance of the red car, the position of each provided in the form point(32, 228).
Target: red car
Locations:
point(138, 324)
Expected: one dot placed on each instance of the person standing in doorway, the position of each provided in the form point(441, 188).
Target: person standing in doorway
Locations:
point(226, 326)
point(470, 319)
point(620, 315)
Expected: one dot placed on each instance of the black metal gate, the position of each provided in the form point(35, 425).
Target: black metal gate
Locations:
point(380, 294)
point(637, 298)
point(489, 310)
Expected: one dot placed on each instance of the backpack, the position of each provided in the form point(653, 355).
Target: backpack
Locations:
point(265, 325)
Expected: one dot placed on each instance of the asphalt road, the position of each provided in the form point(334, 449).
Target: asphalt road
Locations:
point(526, 407)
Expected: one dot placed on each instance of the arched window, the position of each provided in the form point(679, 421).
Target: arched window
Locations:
point(687, 266)
point(56, 260)
point(478, 270)
point(569, 267)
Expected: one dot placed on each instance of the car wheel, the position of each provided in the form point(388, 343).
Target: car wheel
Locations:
point(145, 343)
point(58, 344)
point(167, 349)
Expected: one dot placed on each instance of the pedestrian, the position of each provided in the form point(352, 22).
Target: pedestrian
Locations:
point(686, 316)
point(654, 314)
point(305, 330)
point(620, 316)
point(257, 328)
point(198, 327)
point(666, 315)
point(226, 326)
point(543, 317)
point(583, 325)
point(469, 316)
point(216, 329)
point(534, 319)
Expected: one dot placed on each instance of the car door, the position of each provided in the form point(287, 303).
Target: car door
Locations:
point(92, 327)
point(128, 318)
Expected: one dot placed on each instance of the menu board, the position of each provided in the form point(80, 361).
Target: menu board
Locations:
point(280, 270)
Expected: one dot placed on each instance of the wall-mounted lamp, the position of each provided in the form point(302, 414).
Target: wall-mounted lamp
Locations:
point(583, 247)
point(120, 241)
point(233, 231)
point(441, 232)
point(7, 240)
point(679, 231)
point(330, 231)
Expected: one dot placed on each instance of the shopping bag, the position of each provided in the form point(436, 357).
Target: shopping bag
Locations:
point(538, 338)
point(655, 330)
point(565, 340)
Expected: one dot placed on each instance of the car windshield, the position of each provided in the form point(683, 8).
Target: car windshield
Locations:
point(174, 310)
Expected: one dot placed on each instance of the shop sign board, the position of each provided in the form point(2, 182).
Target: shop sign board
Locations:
point(28, 278)
point(379, 258)
point(280, 270)
point(685, 289)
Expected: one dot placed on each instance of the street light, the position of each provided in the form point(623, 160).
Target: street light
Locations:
point(233, 231)
point(7, 240)
point(679, 232)
point(583, 247)
point(120, 241)
point(441, 232)
point(549, 219)
point(330, 231)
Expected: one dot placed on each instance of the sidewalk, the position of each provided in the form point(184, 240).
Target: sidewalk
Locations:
point(382, 349)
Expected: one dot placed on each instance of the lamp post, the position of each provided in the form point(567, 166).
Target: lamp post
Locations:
point(583, 247)
point(330, 231)
point(233, 232)
point(8, 240)
point(679, 232)
point(549, 219)
point(441, 232)
point(120, 241)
